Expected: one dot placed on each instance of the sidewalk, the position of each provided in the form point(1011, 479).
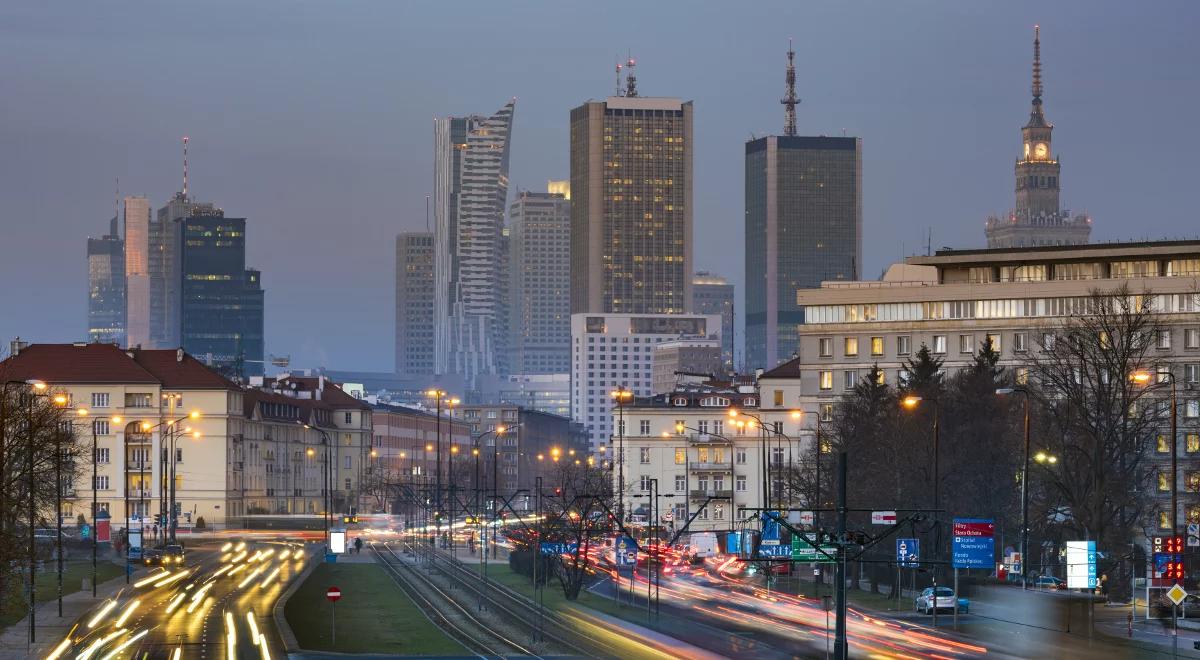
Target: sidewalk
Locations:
point(50, 628)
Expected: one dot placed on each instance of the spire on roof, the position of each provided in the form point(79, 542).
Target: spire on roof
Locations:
point(1037, 65)
point(789, 100)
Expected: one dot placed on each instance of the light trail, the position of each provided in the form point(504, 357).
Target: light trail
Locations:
point(250, 578)
point(133, 605)
point(171, 579)
point(112, 654)
point(230, 636)
point(104, 610)
point(98, 644)
point(152, 578)
point(270, 576)
point(175, 602)
point(58, 650)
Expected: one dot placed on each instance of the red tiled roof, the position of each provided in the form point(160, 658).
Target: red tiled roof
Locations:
point(178, 370)
point(789, 369)
point(74, 363)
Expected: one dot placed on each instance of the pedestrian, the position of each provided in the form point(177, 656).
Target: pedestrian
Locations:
point(358, 545)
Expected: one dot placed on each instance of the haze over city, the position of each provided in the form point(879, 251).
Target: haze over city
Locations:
point(314, 121)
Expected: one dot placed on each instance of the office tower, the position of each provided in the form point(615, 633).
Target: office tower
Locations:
point(803, 226)
point(1037, 219)
point(713, 294)
point(540, 290)
point(106, 286)
point(470, 190)
point(631, 205)
point(221, 315)
point(611, 351)
point(164, 268)
point(414, 304)
point(137, 273)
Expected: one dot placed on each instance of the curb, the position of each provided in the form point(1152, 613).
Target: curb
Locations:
point(285, 631)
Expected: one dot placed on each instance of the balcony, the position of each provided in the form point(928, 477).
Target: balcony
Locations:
point(139, 466)
point(705, 494)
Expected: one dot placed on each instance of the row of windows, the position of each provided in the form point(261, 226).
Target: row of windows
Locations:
point(967, 343)
point(987, 309)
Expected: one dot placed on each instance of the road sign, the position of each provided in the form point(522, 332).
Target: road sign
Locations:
point(1176, 594)
point(908, 552)
point(1081, 564)
point(770, 528)
point(549, 548)
point(85, 531)
point(883, 517)
point(803, 550)
point(1193, 535)
point(626, 554)
point(974, 545)
point(333, 594)
point(806, 517)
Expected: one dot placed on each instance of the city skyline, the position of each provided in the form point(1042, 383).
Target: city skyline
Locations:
point(948, 120)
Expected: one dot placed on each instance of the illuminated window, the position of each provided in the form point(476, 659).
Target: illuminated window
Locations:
point(1164, 520)
point(826, 378)
point(1164, 482)
point(680, 456)
point(1161, 445)
point(1192, 479)
point(876, 345)
point(1192, 442)
point(851, 346)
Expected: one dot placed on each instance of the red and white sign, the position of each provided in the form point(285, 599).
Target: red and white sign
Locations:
point(974, 528)
point(333, 594)
point(806, 517)
point(883, 517)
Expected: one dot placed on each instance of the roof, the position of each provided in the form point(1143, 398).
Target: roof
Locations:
point(789, 369)
point(75, 363)
point(331, 394)
point(178, 370)
point(1132, 249)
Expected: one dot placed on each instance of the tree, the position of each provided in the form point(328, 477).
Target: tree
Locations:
point(576, 504)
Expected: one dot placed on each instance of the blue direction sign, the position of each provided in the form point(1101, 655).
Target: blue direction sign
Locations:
point(626, 552)
point(85, 531)
point(549, 548)
point(908, 553)
point(774, 551)
point(974, 544)
point(733, 543)
point(770, 528)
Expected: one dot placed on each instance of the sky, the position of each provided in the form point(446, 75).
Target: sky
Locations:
point(314, 120)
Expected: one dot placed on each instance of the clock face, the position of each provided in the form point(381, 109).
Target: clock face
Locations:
point(1040, 150)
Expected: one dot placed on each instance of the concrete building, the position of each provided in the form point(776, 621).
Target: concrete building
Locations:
point(611, 351)
point(955, 300)
point(631, 206)
point(470, 190)
point(1038, 218)
point(106, 287)
point(685, 356)
point(540, 283)
point(404, 451)
point(221, 302)
point(137, 271)
point(414, 304)
point(713, 294)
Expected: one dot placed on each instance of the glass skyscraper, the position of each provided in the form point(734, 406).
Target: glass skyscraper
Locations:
point(106, 287)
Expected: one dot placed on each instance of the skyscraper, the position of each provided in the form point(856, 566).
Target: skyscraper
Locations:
point(221, 315)
point(470, 191)
point(540, 289)
point(1037, 219)
point(631, 205)
point(164, 268)
point(106, 286)
point(414, 304)
point(713, 294)
point(137, 272)
point(803, 226)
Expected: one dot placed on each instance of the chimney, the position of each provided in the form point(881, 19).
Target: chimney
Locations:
point(16, 346)
point(179, 354)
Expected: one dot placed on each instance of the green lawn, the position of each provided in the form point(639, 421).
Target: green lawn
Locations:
point(47, 586)
point(373, 616)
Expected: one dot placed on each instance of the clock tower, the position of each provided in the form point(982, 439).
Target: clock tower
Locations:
point(1037, 218)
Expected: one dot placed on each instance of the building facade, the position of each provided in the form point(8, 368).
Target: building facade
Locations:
point(470, 190)
point(137, 271)
point(549, 393)
point(803, 226)
point(221, 301)
point(713, 294)
point(106, 287)
point(696, 357)
point(165, 268)
point(414, 304)
point(631, 206)
point(540, 285)
point(1038, 218)
point(612, 351)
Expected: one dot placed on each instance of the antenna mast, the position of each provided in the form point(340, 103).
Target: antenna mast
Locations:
point(185, 189)
point(618, 93)
point(630, 78)
point(789, 100)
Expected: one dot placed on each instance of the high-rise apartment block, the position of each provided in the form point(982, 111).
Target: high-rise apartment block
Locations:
point(137, 271)
point(540, 285)
point(1038, 218)
point(470, 191)
point(713, 294)
point(631, 206)
point(106, 286)
point(221, 310)
point(414, 304)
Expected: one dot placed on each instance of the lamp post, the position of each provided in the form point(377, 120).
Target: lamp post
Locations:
point(1144, 377)
point(912, 402)
point(621, 395)
point(326, 478)
point(1004, 391)
point(765, 462)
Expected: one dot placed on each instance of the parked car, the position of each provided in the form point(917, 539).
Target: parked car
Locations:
point(926, 602)
point(1049, 582)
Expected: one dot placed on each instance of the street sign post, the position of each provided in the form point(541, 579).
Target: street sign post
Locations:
point(333, 595)
point(883, 517)
point(803, 550)
point(974, 543)
point(626, 554)
point(770, 528)
point(908, 553)
point(1081, 564)
point(550, 548)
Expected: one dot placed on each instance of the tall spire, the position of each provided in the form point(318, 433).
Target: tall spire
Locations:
point(1037, 65)
point(789, 100)
point(185, 143)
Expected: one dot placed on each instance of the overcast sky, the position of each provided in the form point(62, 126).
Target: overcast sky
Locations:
point(313, 119)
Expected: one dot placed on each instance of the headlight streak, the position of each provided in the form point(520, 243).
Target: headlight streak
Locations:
point(112, 654)
point(104, 610)
point(250, 578)
point(171, 579)
point(230, 636)
point(58, 650)
point(270, 576)
point(198, 598)
point(133, 605)
point(98, 644)
point(175, 602)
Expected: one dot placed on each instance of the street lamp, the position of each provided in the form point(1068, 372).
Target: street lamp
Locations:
point(765, 459)
point(911, 402)
point(326, 477)
point(621, 395)
point(1005, 391)
point(1143, 377)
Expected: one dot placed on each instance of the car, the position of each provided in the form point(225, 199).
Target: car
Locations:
point(925, 603)
point(152, 556)
point(173, 555)
point(1048, 582)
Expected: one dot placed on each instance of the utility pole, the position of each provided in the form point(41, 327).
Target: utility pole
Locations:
point(839, 644)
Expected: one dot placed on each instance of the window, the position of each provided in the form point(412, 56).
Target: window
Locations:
point(179, 454)
point(851, 346)
point(1163, 340)
point(99, 399)
point(1192, 481)
point(137, 400)
point(939, 344)
point(1019, 342)
point(778, 398)
point(740, 455)
point(1191, 373)
point(100, 426)
point(966, 343)
point(100, 482)
point(714, 401)
point(680, 483)
point(876, 345)
point(1191, 408)
point(644, 427)
point(1123, 269)
point(1191, 338)
point(347, 484)
point(680, 456)
point(1047, 341)
point(346, 463)
point(902, 376)
point(718, 455)
point(825, 346)
point(718, 511)
point(739, 484)
point(102, 454)
point(679, 427)
point(718, 427)
point(702, 483)
point(995, 339)
point(826, 412)
point(776, 456)
point(1164, 520)
point(702, 454)
point(620, 427)
point(850, 379)
point(1161, 445)
point(702, 427)
point(903, 345)
point(643, 454)
point(826, 378)
point(1164, 482)
point(491, 414)
point(1022, 375)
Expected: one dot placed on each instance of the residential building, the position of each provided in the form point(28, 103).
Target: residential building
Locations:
point(470, 190)
point(540, 286)
point(676, 357)
point(137, 271)
point(1038, 218)
point(631, 206)
point(611, 351)
point(106, 287)
point(414, 304)
point(404, 453)
point(221, 301)
point(713, 294)
point(803, 227)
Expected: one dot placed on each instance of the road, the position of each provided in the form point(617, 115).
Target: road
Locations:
point(216, 605)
